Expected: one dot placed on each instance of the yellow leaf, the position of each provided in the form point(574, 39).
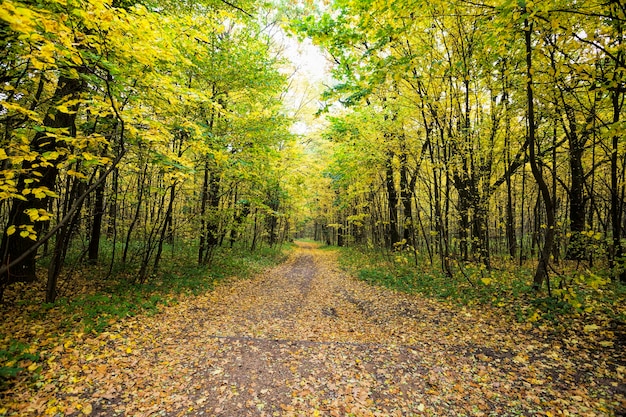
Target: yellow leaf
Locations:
point(606, 343)
point(535, 316)
point(10, 230)
point(87, 409)
point(591, 328)
point(76, 58)
point(486, 281)
point(421, 408)
point(520, 358)
point(47, 53)
point(33, 367)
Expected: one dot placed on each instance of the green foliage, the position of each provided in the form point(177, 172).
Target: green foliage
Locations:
point(12, 357)
point(508, 288)
point(118, 297)
point(123, 298)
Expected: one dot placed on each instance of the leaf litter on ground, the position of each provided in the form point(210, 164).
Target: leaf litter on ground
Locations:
point(306, 339)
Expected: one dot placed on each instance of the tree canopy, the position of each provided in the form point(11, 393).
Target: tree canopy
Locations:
point(487, 129)
point(452, 134)
point(162, 121)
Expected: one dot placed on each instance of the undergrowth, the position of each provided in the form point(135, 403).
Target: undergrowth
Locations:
point(92, 302)
point(575, 294)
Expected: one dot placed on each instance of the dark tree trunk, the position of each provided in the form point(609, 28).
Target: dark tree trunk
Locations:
point(616, 260)
point(576, 247)
point(481, 231)
point(406, 197)
point(255, 230)
point(62, 243)
point(204, 197)
point(209, 235)
point(541, 273)
point(464, 204)
point(241, 213)
point(141, 185)
point(616, 256)
point(96, 224)
point(14, 246)
point(393, 236)
point(340, 237)
point(166, 230)
point(272, 220)
point(510, 219)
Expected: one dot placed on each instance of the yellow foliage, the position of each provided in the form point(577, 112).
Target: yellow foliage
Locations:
point(20, 19)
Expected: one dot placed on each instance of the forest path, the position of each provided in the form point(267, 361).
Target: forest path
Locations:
point(305, 339)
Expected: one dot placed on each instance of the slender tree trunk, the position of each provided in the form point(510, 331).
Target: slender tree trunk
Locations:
point(522, 223)
point(464, 196)
point(141, 184)
point(255, 230)
point(406, 197)
point(616, 257)
point(167, 227)
point(576, 247)
point(541, 273)
point(63, 239)
point(204, 197)
point(96, 225)
point(211, 228)
point(392, 201)
point(510, 210)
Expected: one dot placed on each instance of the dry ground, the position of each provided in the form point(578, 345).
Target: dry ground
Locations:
point(305, 339)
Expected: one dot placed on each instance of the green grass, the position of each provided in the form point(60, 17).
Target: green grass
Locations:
point(507, 287)
point(103, 302)
point(123, 297)
point(11, 356)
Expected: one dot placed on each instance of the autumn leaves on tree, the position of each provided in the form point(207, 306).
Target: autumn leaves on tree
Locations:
point(467, 132)
point(161, 123)
point(489, 129)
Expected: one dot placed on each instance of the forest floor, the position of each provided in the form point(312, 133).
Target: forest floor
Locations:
point(306, 339)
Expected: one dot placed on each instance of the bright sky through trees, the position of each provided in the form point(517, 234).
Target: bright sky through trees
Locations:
point(308, 75)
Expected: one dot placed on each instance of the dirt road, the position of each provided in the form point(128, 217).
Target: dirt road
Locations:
point(305, 339)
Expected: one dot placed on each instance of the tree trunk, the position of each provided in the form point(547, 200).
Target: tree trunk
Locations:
point(406, 197)
point(204, 197)
point(576, 247)
point(62, 243)
point(210, 230)
point(541, 273)
point(15, 245)
point(96, 224)
point(393, 236)
point(464, 195)
point(141, 184)
point(616, 256)
point(167, 227)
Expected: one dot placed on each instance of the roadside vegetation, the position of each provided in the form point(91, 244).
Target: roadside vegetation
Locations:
point(93, 300)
